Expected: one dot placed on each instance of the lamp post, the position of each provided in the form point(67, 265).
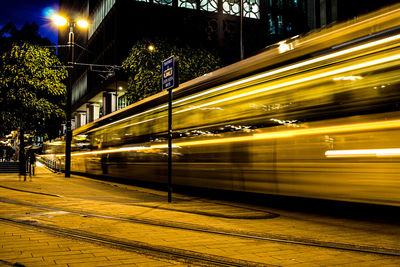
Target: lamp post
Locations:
point(61, 21)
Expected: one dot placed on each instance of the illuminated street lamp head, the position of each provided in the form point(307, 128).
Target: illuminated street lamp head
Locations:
point(59, 20)
point(151, 48)
point(82, 24)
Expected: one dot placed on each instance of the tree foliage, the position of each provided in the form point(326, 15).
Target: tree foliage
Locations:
point(28, 33)
point(32, 93)
point(144, 66)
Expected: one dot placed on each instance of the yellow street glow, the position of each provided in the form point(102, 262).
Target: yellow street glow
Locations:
point(384, 152)
point(82, 24)
point(59, 20)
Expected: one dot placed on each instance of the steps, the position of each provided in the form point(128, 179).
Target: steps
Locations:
point(9, 167)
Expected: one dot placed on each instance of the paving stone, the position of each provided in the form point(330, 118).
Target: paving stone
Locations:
point(111, 199)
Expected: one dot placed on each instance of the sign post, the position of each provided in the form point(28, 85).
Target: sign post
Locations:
point(169, 82)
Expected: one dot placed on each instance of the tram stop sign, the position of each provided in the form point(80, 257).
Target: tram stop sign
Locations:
point(168, 73)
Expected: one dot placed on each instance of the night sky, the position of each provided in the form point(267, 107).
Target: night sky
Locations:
point(21, 11)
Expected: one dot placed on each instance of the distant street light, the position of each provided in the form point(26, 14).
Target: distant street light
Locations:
point(61, 21)
point(151, 48)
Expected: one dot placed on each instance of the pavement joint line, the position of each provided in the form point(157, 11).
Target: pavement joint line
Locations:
point(138, 246)
point(27, 191)
point(239, 234)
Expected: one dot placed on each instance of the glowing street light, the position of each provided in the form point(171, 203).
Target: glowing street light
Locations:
point(82, 24)
point(61, 21)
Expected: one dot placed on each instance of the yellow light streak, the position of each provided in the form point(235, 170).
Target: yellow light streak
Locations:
point(116, 150)
point(264, 75)
point(293, 133)
point(352, 153)
point(305, 79)
point(380, 125)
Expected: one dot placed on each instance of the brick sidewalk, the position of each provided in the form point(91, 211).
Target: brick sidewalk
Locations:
point(28, 246)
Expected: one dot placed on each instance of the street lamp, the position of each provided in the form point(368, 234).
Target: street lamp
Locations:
point(61, 21)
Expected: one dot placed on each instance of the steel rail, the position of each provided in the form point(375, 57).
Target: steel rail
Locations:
point(241, 234)
point(135, 246)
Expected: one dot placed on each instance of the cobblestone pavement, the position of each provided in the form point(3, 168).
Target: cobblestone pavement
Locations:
point(117, 212)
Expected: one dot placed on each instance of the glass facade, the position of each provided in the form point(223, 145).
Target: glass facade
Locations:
point(191, 4)
point(251, 8)
point(123, 102)
point(231, 7)
point(209, 5)
point(79, 88)
point(286, 16)
point(163, 2)
point(100, 12)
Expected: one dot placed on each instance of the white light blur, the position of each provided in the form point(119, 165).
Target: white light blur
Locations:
point(384, 152)
point(284, 47)
point(59, 20)
point(348, 78)
point(82, 24)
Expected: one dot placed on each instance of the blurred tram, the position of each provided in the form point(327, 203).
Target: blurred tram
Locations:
point(314, 116)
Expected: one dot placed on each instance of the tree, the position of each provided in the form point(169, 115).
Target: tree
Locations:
point(29, 33)
point(144, 66)
point(32, 93)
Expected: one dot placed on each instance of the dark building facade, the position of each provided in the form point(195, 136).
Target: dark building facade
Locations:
point(214, 24)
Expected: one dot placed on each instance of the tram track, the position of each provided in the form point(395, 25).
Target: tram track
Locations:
point(185, 256)
point(216, 231)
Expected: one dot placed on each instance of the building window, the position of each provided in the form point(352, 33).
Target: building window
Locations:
point(123, 102)
point(209, 5)
point(271, 26)
point(280, 24)
point(163, 2)
point(191, 4)
point(251, 9)
point(231, 7)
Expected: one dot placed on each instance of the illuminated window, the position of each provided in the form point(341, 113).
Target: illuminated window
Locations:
point(271, 26)
point(231, 7)
point(123, 102)
point(251, 9)
point(163, 2)
point(280, 24)
point(209, 5)
point(191, 4)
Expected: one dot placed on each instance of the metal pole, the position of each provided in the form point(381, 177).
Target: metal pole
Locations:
point(68, 136)
point(170, 145)
point(241, 30)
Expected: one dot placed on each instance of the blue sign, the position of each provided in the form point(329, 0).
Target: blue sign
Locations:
point(168, 72)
